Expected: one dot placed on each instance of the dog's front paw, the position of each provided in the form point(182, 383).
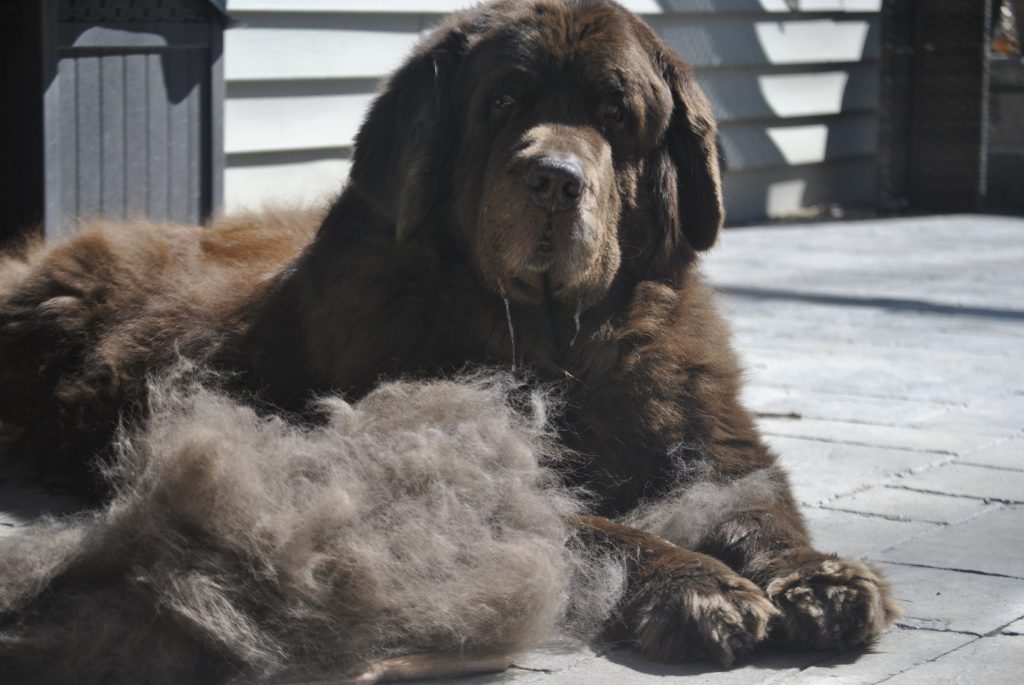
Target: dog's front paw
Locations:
point(827, 602)
point(695, 607)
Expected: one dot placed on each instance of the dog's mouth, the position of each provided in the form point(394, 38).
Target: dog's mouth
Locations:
point(546, 244)
point(543, 256)
point(531, 253)
point(553, 258)
point(528, 288)
point(535, 273)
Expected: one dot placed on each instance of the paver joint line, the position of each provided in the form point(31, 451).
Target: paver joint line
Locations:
point(963, 460)
point(867, 395)
point(911, 626)
point(854, 443)
point(1000, 629)
point(929, 491)
point(939, 526)
point(865, 514)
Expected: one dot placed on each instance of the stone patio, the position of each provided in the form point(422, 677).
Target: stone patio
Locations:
point(887, 356)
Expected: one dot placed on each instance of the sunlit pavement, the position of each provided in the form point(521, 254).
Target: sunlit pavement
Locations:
point(885, 359)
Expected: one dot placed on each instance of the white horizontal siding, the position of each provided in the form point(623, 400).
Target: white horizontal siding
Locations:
point(639, 6)
point(333, 46)
point(264, 117)
point(290, 178)
point(753, 41)
point(271, 116)
point(794, 190)
point(794, 83)
point(760, 145)
point(341, 45)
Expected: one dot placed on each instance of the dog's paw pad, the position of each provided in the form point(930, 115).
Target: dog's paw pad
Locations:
point(830, 603)
point(721, 617)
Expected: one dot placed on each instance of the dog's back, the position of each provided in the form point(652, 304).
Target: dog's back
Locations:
point(85, 321)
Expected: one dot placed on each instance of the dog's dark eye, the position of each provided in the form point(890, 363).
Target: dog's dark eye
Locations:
point(613, 115)
point(502, 102)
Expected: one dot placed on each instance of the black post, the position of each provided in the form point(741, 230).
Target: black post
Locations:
point(112, 109)
point(21, 117)
point(934, 110)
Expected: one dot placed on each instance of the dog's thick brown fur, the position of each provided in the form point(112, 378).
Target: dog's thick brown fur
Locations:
point(531, 189)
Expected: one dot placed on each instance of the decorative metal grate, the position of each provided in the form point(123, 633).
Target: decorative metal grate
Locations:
point(133, 11)
point(8, 10)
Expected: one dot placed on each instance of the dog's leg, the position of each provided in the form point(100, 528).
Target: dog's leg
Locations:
point(825, 601)
point(680, 604)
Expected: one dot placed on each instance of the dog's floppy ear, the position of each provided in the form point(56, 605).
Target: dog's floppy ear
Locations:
point(404, 141)
point(691, 146)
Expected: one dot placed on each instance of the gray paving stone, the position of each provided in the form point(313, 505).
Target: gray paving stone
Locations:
point(23, 500)
point(899, 374)
point(1003, 416)
point(1008, 455)
point(902, 291)
point(853, 535)
point(890, 247)
point(513, 676)
point(896, 437)
point(988, 543)
point(809, 404)
point(996, 660)
point(21, 504)
point(866, 328)
point(618, 668)
point(969, 481)
point(894, 652)
point(831, 345)
point(8, 525)
point(820, 470)
point(755, 319)
point(909, 505)
point(533, 667)
point(938, 599)
point(555, 658)
point(1015, 628)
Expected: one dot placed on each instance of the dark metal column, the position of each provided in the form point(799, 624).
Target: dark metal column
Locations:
point(934, 114)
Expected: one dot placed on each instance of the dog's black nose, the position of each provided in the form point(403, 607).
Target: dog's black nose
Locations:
point(555, 183)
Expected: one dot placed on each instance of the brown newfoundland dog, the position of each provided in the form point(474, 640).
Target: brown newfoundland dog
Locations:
point(530, 190)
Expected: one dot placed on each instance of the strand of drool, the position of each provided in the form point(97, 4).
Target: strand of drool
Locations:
point(576, 320)
point(508, 318)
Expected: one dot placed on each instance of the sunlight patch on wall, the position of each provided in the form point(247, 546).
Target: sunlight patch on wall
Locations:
point(799, 42)
point(800, 144)
point(283, 183)
point(797, 95)
point(785, 198)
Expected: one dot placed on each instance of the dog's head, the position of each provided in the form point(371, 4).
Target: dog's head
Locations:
point(562, 142)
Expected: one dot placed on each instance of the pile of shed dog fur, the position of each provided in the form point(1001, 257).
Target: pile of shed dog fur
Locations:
point(423, 519)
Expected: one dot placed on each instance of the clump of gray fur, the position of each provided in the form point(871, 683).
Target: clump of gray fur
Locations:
point(420, 520)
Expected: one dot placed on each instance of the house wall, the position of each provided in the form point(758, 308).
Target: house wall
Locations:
point(794, 83)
